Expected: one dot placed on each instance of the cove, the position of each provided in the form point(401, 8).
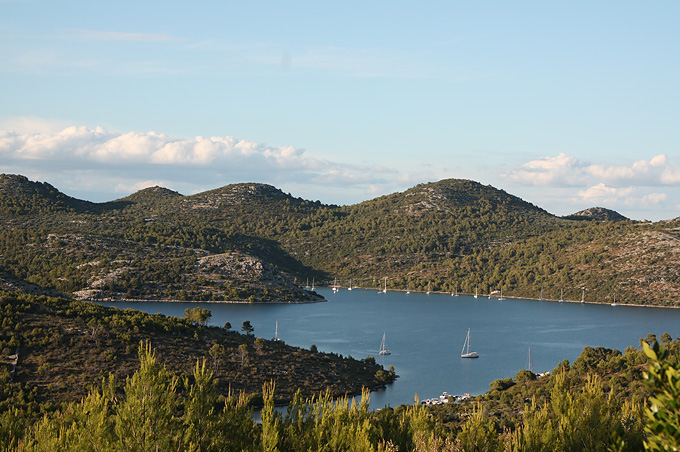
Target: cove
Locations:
point(425, 333)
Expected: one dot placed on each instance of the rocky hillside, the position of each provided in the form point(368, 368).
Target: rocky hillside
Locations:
point(597, 213)
point(448, 235)
point(226, 277)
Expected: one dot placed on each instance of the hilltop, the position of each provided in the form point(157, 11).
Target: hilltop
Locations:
point(253, 242)
point(19, 196)
point(597, 213)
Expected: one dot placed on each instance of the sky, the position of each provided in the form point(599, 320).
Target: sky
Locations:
point(567, 105)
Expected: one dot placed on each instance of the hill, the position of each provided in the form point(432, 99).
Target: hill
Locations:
point(597, 213)
point(449, 235)
point(65, 347)
point(20, 196)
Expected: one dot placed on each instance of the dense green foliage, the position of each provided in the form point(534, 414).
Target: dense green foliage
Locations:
point(157, 411)
point(63, 346)
point(663, 413)
point(218, 245)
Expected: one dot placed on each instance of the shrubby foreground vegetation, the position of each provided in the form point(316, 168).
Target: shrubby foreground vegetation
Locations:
point(157, 410)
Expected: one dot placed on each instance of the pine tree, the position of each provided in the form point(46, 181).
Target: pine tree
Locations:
point(145, 419)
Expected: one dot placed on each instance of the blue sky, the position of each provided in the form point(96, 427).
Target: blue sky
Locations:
point(568, 105)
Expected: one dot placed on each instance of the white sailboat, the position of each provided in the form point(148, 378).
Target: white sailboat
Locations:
point(501, 297)
point(335, 285)
point(540, 297)
point(466, 353)
point(276, 333)
point(428, 288)
point(350, 284)
point(385, 289)
point(383, 349)
point(583, 296)
point(475, 292)
point(561, 295)
point(530, 367)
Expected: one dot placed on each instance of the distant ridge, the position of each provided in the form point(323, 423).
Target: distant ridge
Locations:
point(152, 195)
point(18, 195)
point(236, 194)
point(598, 214)
point(449, 235)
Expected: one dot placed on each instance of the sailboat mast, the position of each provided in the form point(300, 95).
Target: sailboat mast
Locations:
point(466, 345)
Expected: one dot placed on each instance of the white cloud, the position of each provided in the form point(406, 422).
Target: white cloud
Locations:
point(565, 170)
point(83, 145)
point(131, 188)
point(654, 198)
point(562, 170)
point(86, 157)
point(602, 194)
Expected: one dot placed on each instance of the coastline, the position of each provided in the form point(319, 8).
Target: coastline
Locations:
point(323, 300)
point(520, 298)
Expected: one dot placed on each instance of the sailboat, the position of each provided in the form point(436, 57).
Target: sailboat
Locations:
point(276, 333)
point(312, 283)
point(614, 303)
point(335, 285)
point(475, 292)
point(385, 289)
point(466, 353)
point(561, 295)
point(540, 297)
point(501, 297)
point(350, 284)
point(583, 296)
point(428, 288)
point(383, 349)
point(530, 367)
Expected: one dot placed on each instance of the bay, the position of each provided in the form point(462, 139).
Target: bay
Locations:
point(425, 333)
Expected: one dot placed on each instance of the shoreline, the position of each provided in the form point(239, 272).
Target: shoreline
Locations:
point(129, 300)
point(519, 298)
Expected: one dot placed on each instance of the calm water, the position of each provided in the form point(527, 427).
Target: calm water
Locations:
point(426, 333)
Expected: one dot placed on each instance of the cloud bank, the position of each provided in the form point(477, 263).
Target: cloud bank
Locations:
point(608, 185)
point(122, 159)
point(97, 164)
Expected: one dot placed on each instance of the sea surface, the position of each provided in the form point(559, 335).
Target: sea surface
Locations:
point(425, 333)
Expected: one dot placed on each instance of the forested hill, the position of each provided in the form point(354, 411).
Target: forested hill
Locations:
point(251, 241)
point(59, 349)
point(19, 196)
